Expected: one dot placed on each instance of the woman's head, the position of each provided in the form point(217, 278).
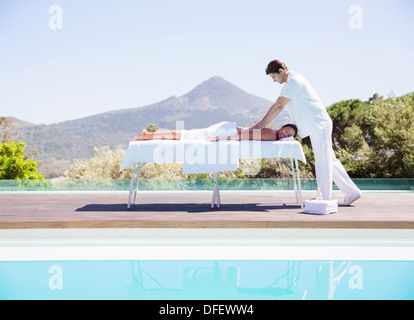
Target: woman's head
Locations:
point(288, 130)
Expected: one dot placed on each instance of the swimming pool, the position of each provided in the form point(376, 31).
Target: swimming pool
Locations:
point(192, 264)
point(230, 264)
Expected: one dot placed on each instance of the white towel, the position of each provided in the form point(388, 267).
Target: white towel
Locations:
point(222, 129)
point(321, 206)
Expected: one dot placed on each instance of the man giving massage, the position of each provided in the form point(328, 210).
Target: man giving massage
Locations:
point(265, 134)
point(309, 114)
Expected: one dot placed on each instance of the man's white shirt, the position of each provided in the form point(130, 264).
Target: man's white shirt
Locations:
point(305, 107)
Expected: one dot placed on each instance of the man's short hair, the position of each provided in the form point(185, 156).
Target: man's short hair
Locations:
point(274, 66)
point(293, 127)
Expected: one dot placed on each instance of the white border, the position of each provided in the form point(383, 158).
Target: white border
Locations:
point(117, 253)
point(206, 244)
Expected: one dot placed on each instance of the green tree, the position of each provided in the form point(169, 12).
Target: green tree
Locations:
point(344, 114)
point(14, 163)
point(375, 139)
point(389, 130)
point(375, 97)
point(7, 131)
point(356, 154)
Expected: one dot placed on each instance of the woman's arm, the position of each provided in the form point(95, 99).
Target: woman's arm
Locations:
point(159, 135)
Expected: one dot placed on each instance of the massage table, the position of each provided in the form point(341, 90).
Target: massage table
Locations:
point(200, 156)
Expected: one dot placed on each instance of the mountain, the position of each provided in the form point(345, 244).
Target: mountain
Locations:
point(20, 123)
point(212, 101)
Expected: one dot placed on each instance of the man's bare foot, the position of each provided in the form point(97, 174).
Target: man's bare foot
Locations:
point(144, 135)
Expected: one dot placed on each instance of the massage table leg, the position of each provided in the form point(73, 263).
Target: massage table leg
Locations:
point(136, 168)
point(131, 185)
point(296, 182)
point(295, 186)
point(299, 184)
point(294, 166)
point(216, 192)
point(287, 173)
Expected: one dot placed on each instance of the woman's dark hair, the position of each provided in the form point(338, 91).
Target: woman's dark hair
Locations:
point(274, 66)
point(293, 127)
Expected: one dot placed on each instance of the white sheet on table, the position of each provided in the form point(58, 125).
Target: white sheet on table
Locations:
point(206, 156)
point(209, 157)
point(288, 148)
point(196, 156)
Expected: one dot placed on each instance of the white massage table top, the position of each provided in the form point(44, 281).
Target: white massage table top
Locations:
point(199, 156)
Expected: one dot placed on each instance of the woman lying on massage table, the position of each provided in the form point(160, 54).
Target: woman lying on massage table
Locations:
point(266, 134)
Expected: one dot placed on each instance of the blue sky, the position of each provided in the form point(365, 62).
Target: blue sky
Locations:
point(112, 55)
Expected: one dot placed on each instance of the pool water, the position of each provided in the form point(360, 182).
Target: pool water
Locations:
point(207, 279)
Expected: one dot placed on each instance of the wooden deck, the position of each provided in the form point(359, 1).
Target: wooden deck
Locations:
point(192, 210)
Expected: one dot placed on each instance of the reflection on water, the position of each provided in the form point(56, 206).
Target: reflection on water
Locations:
point(328, 277)
point(175, 280)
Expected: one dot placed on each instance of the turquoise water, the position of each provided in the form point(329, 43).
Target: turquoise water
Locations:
point(196, 280)
point(403, 185)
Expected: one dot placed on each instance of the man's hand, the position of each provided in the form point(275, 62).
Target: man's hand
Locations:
point(257, 126)
point(273, 112)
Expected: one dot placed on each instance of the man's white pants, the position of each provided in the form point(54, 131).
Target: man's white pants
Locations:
point(328, 168)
